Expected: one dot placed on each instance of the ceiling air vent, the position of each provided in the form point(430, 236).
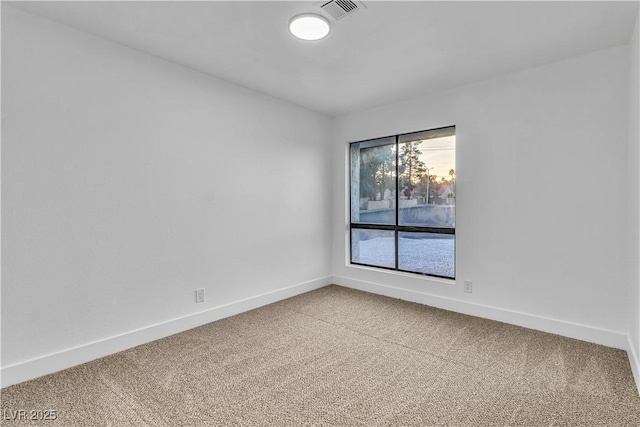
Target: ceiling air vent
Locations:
point(338, 9)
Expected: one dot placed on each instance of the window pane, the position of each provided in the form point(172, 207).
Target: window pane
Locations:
point(427, 253)
point(373, 247)
point(428, 215)
point(427, 134)
point(373, 182)
point(427, 180)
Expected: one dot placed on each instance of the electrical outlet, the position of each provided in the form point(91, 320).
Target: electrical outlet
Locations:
point(468, 286)
point(200, 295)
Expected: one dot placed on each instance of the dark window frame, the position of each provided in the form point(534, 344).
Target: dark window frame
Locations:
point(397, 228)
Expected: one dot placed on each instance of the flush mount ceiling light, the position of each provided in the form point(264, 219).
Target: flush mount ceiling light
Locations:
point(309, 26)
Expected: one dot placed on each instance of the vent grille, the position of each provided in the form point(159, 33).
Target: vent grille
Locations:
point(338, 9)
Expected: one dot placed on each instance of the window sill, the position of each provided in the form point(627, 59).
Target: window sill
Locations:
point(403, 274)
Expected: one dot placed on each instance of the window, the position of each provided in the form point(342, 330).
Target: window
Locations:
point(403, 193)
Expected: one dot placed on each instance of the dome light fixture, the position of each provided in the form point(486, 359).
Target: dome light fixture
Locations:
point(309, 26)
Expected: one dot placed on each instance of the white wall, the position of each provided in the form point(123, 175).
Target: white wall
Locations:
point(128, 182)
point(541, 186)
point(633, 198)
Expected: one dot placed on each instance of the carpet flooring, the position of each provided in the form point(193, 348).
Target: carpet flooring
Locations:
point(341, 357)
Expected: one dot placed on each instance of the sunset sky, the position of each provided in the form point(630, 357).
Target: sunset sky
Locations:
point(439, 154)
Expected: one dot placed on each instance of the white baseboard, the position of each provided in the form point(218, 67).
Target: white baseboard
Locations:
point(33, 368)
point(572, 330)
point(634, 362)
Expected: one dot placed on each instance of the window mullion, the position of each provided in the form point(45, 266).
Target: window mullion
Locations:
point(397, 204)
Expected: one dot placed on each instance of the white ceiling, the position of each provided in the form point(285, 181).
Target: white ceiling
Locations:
point(387, 52)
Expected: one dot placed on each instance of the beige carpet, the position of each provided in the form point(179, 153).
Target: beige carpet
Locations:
point(342, 357)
